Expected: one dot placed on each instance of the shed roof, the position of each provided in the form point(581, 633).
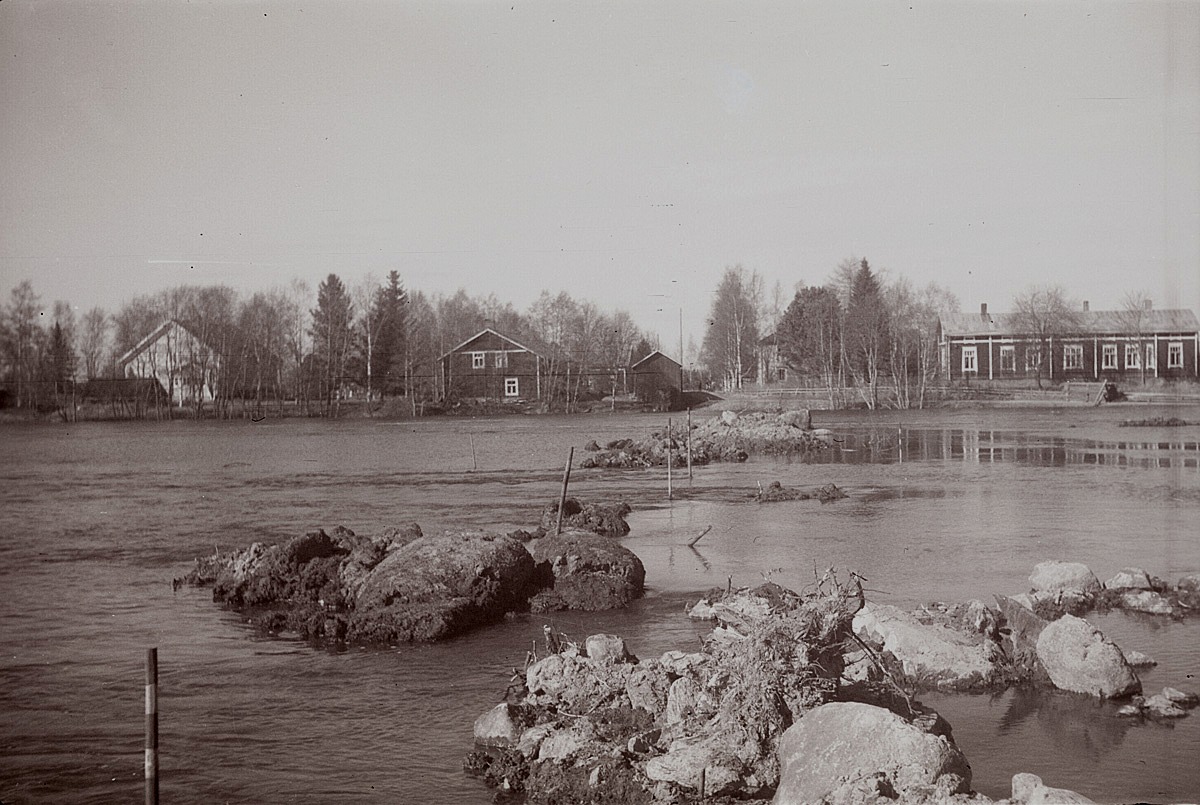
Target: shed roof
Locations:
point(155, 334)
point(658, 353)
point(486, 331)
point(1091, 322)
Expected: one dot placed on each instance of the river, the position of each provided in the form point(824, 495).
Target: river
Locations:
point(951, 505)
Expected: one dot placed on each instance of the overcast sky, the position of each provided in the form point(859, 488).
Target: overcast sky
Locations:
point(624, 152)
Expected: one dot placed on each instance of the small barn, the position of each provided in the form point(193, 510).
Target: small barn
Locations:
point(658, 379)
point(492, 366)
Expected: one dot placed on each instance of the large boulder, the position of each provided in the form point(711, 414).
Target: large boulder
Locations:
point(439, 586)
point(1055, 576)
point(1079, 658)
point(927, 655)
point(582, 570)
point(846, 741)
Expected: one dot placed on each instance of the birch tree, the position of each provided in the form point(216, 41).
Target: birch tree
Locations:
point(1041, 312)
point(731, 340)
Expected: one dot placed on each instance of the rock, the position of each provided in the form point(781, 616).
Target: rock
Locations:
point(847, 740)
point(1159, 706)
point(585, 571)
point(688, 758)
point(497, 727)
point(1146, 601)
point(530, 742)
point(729, 418)
point(932, 656)
point(681, 699)
point(565, 744)
point(440, 586)
point(1055, 576)
point(1028, 789)
point(605, 649)
point(1079, 658)
point(1189, 583)
point(592, 447)
point(1184, 699)
point(1137, 659)
point(605, 519)
point(1131, 578)
point(1130, 711)
point(823, 435)
point(647, 686)
point(798, 418)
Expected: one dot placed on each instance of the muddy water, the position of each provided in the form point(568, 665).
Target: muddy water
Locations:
point(99, 517)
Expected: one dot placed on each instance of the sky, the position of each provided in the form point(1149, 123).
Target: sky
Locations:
point(626, 153)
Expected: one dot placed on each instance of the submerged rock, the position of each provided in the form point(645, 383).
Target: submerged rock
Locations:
point(599, 518)
point(1079, 658)
point(836, 745)
point(1131, 578)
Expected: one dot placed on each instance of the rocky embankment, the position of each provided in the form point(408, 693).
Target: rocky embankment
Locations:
point(810, 698)
point(403, 585)
point(727, 437)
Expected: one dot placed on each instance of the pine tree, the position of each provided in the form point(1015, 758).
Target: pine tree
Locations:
point(332, 337)
point(390, 310)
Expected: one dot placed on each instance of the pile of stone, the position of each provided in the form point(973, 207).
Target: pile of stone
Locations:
point(776, 492)
point(770, 706)
point(402, 585)
point(727, 437)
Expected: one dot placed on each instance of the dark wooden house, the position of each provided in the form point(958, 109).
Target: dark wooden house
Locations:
point(492, 366)
point(1102, 345)
point(658, 379)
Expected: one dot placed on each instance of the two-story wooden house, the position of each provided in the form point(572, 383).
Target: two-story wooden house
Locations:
point(491, 366)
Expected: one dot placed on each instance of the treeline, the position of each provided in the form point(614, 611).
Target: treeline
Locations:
point(854, 335)
point(290, 348)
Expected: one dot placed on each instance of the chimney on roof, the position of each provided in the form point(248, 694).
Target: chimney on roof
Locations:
point(489, 324)
point(1149, 304)
point(1085, 305)
point(983, 309)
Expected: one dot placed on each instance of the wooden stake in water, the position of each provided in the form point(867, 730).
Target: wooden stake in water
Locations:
point(562, 498)
point(669, 496)
point(689, 444)
point(151, 726)
point(474, 464)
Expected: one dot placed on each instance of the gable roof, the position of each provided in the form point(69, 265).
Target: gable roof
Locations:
point(651, 355)
point(155, 334)
point(501, 336)
point(1091, 322)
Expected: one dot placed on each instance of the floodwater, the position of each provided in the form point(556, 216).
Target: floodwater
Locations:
point(99, 517)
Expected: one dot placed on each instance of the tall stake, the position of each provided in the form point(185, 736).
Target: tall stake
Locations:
point(669, 496)
point(562, 498)
point(151, 726)
point(689, 444)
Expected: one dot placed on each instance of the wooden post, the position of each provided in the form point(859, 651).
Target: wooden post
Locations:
point(151, 726)
point(562, 498)
point(689, 443)
point(669, 496)
point(474, 463)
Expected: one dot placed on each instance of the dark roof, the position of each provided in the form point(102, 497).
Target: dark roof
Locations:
point(653, 354)
point(1091, 322)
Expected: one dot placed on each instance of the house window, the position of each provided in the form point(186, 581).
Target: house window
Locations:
point(1175, 355)
point(969, 359)
point(1132, 356)
point(1073, 356)
point(478, 360)
point(1033, 358)
point(1008, 359)
point(1109, 359)
point(501, 360)
point(1151, 357)
point(512, 387)
point(781, 373)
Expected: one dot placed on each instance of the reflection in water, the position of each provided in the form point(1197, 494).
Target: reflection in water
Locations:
point(990, 446)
